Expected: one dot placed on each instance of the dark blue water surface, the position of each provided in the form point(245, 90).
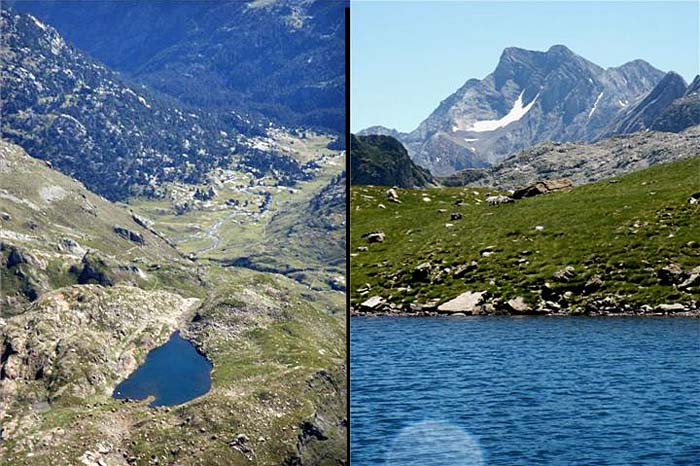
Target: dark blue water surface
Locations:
point(174, 373)
point(532, 391)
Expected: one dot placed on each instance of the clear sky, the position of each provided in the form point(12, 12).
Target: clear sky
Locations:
point(407, 56)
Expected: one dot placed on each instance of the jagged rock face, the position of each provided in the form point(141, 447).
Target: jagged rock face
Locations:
point(529, 98)
point(382, 160)
point(642, 115)
point(216, 55)
point(584, 163)
point(682, 112)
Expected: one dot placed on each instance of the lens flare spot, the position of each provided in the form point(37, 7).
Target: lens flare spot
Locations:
point(434, 443)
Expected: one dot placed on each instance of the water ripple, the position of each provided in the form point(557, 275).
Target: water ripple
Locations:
point(539, 391)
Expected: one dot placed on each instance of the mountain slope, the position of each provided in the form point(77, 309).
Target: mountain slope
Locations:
point(682, 112)
point(530, 97)
point(382, 160)
point(55, 232)
point(215, 55)
point(119, 139)
point(64, 107)
point(642, 115)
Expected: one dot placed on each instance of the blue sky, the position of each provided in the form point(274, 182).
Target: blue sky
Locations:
point(407, 56)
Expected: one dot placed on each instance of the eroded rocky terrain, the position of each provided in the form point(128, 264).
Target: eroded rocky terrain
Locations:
point(584, 163)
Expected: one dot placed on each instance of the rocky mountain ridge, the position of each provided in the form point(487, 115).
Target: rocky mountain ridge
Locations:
point(583, 163)
point(530, 97)
point(642, 115)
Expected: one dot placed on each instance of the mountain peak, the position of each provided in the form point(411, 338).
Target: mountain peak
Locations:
point(559, 49)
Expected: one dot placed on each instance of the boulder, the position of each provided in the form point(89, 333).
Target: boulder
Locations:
point(373, 303)
point(129, 235)
point(671, 274)
point(95, 270)
point(565, 274)
point(205, 195)
point(693, 280)
point(375, 237)
point(393, 196)
point(518, 306)
point(422, 272)
point(463, 269)
point(670, 308)
point(498, 200)
point(593, 284)
point(142, 222)
point(468, 303)
point(455, 216)
point(70, 246)
point(542, 187)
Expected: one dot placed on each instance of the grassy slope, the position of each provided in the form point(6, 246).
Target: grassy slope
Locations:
point(46, 207)
point(623, 231)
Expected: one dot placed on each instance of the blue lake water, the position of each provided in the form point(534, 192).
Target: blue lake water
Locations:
point(525, 391)
point(174, 373)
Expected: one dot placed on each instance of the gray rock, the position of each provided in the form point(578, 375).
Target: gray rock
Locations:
point(693, 280)
point(71, 246)
point(375, 237)
point(129, 235)
point(670, 308)
point(519, 306)
point(671, 274)
point(593, 284)
point(542, 187)
point(373, 303)
point(469, 303)
point(393, 196)
point(463, 269)
point(565, 274)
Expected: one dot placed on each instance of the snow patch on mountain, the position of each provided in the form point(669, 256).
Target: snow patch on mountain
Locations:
point(516, 113)
point(595, 105)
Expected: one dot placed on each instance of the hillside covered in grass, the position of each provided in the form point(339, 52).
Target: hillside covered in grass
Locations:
point(88, 287)
point(622, 245)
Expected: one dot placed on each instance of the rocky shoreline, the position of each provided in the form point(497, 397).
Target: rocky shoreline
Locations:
point(645, 310)
point(550, 300)
point(479, 304)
